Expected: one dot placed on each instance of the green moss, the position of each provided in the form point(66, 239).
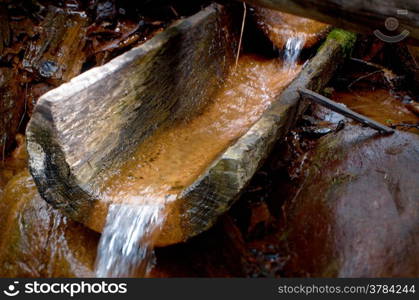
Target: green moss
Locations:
point(344, 38)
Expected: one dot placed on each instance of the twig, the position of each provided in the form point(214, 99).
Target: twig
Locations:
point(343, 110)
point(174, 11)
point(363, 77)
point(4, 138)
point(405, 125)
point(25, 108)
point(377, 66)
point(388, 74)
point(241, 33)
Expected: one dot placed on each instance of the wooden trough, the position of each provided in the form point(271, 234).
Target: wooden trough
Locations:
point(98, 119)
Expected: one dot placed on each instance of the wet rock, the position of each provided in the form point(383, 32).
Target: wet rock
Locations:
point(356, 213)
point(37, 240)
point(260, 217)
point(280, 27)
point(220, 252)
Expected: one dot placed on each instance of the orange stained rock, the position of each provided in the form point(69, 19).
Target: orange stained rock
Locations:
point(35, 239)
point(280, 27)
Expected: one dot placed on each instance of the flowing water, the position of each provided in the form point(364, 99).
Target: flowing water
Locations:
point(289, 33)
point(142, 190)
point(293, 48)
point(126, 246)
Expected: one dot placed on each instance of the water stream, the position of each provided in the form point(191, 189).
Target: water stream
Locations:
point(292, 50)
point(126, 246)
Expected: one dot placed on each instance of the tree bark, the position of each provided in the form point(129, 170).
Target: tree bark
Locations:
point(363, 16)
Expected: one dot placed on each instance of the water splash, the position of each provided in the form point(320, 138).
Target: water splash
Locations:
point(126, 245)
point(292, 51)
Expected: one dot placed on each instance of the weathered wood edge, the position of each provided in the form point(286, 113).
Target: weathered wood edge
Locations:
point(219, 187)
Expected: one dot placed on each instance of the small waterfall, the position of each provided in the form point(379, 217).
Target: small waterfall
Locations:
point(292, 51)
point(126, 245)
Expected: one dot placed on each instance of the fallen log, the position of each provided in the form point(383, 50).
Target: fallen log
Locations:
point(361, 16)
